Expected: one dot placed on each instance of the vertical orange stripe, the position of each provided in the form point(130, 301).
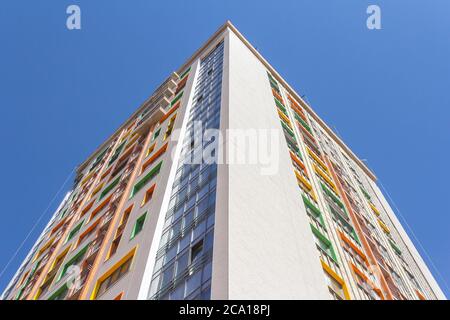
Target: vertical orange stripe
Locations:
point(76, 215)
point(359, 230)
point(91, 279)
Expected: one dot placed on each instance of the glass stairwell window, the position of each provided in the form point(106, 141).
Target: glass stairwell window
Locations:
point(184, 259)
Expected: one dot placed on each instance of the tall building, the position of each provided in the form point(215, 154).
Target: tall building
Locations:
point(151, 217)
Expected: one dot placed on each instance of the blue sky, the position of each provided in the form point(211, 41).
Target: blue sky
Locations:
point(386, 92)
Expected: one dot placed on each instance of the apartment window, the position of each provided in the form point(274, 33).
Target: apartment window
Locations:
point(148, 195)
point(114, 246)
point(156, 134)
point(323, 243)
point(138, 225)
point(196, 251)
point(395, 247)
point(170, 127)
point(178, 97)
point(60, 294)
point(138, 186)
point(74, 231)
point(119, 167)
point(89, 231)
point(111, 186)
point(154, 157)
point(98, 159)
point(150, 150)
point(313, 211)
point(74, 261)
point(115, 243)
point(336, 289)
point(115, 274)
point(116, 153)
point(185, 73)
point(96, 190)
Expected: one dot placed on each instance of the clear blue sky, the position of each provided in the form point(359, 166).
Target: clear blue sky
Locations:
point(63, 92)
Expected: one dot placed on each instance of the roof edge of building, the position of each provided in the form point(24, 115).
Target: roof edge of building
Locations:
point(231, 27)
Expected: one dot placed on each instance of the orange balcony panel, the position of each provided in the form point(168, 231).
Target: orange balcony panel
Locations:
point(356, 270)
point(306, 132)
point(100, 207)
point(59, 225)
point(155, 156)
point(420, 295)
point(295, 105)
point(277, 95)
point(170, 112)
point(297, 161)
point(354, 247)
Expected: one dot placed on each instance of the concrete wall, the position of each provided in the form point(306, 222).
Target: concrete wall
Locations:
point(271, 253)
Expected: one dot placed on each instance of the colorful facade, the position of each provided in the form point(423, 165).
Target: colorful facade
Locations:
point(141, 223)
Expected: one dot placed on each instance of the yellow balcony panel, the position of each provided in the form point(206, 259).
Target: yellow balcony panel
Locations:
point(86, 179)
point(302, 180)
point(374, 209)
point(324, 176)
point(317, 159)
point(284, 118)
point(336, 277)
point(384, 226)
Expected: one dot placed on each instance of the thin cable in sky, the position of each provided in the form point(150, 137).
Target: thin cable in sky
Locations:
point(414, 235)
point(35, 225)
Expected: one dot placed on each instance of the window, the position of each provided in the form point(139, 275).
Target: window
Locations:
point(196, 250)
point(156, 134)
point(313, 211)
point(89, 231)
point(119, 167)
point(75, 231)
point(138, 186)
point(114, 246)
point(74, 261)
point(170, 127)
point(336, 286)
point(323, 243)
point(116, 153)
point(154, 157)
point(96, 190)
point(60, 294)
point(148, 195)
point(150, 150)
point(100, 207)
point(395, 247)
point(115, 243)
point(178, 97)
point(109, 188)
point(138, 225)
point(98, 159)
point(114, 274)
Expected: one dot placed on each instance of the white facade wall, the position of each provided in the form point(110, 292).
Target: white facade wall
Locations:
point(271, 253)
